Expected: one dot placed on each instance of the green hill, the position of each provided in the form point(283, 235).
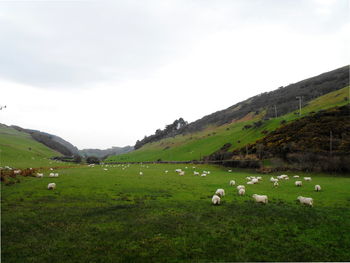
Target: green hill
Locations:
point(18, 149)
point(248, 129)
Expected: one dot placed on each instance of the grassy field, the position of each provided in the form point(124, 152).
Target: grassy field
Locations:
point(117, 215)
point(17, 149)
point(196, 145)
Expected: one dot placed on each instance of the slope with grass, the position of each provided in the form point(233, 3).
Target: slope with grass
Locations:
point(194, 146)
point(20, 150)
point(116, 215)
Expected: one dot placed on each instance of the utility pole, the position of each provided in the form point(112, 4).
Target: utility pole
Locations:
point(299, 98)
point(330, 142)
point(275, 111)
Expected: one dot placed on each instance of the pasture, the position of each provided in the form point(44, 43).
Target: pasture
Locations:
point(117, 215)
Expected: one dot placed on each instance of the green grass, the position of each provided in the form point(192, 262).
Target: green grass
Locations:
point(119, 216)
point(194, 146)
point(20, 150)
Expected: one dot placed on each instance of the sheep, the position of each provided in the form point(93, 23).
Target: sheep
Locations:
point(272, 180)
point(51, 186)
point(230, 171)
point(298, 183)
point(220, 192)
point(296, 176)
point(307, 178)
point(166, 171)
point(241, 191)
point(232, 182)
point(107, 169)
point(248, 178)
point(250, 182)
point(51, 169)
point(240, 187)
point(40, 175)
point(317, 188)
point(56, 175)
point(216, 200)
point(196, 173)
point(51, 175)
point(203, 175)
point(208, 172)
point(255, 181)
point(260, 198)
point(17, 171)
point(178, 170)
point(306, 200)
point(275, 184)
point(259, 178)
point(141, 173)
point(182, 173)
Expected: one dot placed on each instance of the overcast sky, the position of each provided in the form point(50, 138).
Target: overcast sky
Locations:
point(106, 73)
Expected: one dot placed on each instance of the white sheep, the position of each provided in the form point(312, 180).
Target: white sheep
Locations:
point(141, 173)
point(216, 200)
point(241, 191)
point(56, 175)
point(306, 200)
point(17, 171)
point(260, 198)
point(307, 178)
point(296, 176)
point(51, 175)
point(196, 173)
point(255, 181)
point(272, 180)
point(250, 182)
point(248, 178)
point(182, 173)
point(230, 171)
point(178, 170)
point(259, 178)
point(317, 188)
point(240, 187)
point(275, 184)
point(203, 175)
point(298, 183)
point(166, 171)
point(232, 182)
point(51, 186)
point(220, 192)
point(40, 175)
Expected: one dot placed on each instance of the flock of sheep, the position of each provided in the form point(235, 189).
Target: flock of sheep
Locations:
point(220, 193)
point(216, 199)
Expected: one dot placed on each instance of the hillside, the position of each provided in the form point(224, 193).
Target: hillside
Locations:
point(106, 152)
point(19, 149)
point(195, 146)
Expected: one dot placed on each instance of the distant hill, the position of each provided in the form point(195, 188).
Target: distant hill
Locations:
point(52, 141)
point(263, 113)
point(19, 149)
point(107, 152)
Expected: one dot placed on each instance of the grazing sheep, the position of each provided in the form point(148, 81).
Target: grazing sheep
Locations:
point(240, 187)
point(275, 184)
point(230, 171)
point(166, 171)
point(296, 176)
point(259, 178)
point(272, 180)
point(317, 188)
point(182, 173)
point(216, 200)
point(232, 182)
point(208, 172)
point(107, 169)
point(220, 192)
point(40, 175)
point(17, 171)
point(298, 183)
point(250, 182)
point(255, 181)
point(241, 191)
point(51, 175)
point(51, 186)
point(307, 178)
point(141, 173)
point(196, 173)
point(56, 175)
point(178, 170)
point(248, 178)
point(306, 200)
point(260, 198)
point(203, 175)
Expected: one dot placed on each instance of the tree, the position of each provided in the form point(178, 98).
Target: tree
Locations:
point(92, 159)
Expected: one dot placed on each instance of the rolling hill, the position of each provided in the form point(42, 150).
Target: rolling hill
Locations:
point(18, 149)
point(246, 121)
